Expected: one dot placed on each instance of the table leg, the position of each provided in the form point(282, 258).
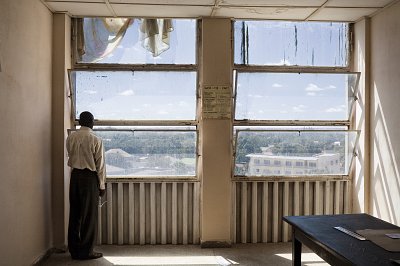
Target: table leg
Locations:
point(296, 250)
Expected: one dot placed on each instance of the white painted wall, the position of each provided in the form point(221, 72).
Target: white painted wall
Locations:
point(25, 134)
point(385, 116)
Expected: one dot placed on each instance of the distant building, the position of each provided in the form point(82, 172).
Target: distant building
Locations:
point(266, 163)
point(119, 158)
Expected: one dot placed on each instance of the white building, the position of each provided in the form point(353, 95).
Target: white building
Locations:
point(262, 164)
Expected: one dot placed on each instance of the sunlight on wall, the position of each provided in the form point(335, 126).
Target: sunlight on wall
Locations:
point(170, 260)
point(386, 179)
point(359, 178)
point(306, 259)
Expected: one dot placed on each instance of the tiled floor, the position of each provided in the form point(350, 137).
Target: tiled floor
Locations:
point(278, 254)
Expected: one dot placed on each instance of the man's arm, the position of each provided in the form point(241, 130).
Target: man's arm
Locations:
point(100, 165)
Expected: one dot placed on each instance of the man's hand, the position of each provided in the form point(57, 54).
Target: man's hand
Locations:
point(102, 192)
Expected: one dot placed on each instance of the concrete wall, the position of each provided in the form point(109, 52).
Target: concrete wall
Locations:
point(216, 147)
point(25, 134)
point(385, 118)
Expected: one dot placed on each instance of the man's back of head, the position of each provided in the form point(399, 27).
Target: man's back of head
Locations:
point(86, 119)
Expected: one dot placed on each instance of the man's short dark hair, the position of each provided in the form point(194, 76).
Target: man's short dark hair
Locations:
point(86, 119)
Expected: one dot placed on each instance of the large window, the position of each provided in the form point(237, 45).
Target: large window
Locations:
point(294, 98)
point(139, 79)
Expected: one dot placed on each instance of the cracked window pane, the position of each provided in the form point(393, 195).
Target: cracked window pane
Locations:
point(279, 43)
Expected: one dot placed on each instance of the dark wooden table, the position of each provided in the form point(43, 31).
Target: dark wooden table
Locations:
point(335, 247)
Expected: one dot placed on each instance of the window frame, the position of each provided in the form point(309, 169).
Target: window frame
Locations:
point(79, 66)
point(348, 123)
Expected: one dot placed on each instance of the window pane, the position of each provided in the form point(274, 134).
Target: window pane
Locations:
point(130, 50)
point(149, 153)
point(293, 153)
point(291, 43)
point(293, 96)
point(139, 95)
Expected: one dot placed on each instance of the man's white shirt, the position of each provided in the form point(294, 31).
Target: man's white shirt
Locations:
point(86, 150)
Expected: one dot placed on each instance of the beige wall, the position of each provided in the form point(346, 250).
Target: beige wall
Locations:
point(216, 145)
point(25, 134)
point(385, 114)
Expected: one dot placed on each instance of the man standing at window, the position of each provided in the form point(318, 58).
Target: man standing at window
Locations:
point(86, 158)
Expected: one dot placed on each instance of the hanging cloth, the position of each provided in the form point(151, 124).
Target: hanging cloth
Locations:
point(98, 37)
point(154, 34)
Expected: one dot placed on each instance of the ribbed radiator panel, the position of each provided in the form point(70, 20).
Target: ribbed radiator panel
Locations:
point(150, 213)
point(258, 207)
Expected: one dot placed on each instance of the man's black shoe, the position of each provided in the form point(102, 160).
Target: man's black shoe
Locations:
point(91, 256)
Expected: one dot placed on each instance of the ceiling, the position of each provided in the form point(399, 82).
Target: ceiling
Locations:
point(300, 10)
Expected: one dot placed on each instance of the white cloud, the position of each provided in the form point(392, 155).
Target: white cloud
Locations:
point(126, 93)
point(299, 108)
point(255, 96)
point(336, 109)
point(90, 91)
point(277, 85)
point(162, 112)
point(313, 87)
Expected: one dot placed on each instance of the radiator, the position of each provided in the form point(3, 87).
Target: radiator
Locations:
point(150, 213)
point(258, 207)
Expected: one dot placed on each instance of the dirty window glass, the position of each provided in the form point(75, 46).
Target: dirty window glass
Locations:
point(149, 152)
point(288, 43)
point(294, 96)
point(135, 95)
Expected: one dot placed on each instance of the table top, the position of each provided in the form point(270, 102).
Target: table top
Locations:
point(319, 228)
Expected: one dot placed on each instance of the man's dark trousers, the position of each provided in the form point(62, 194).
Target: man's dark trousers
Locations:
point(83, 200)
